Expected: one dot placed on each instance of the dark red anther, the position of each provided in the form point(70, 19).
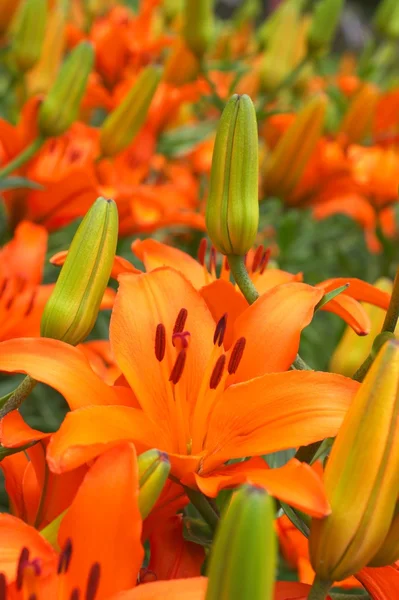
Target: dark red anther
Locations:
point(265, 260)
point(93, 581)
point(32, 597)
point(220, 330)
point(160, 342)
point(212, 260)
point(236, 355)
point(31, 304)
point(22, 563)
point(217, 372)
point(226, 264)
point(178, 367)
point(202, 248)
point(181, 338)
point(65, 557)
point(257, 258)
point(3, 587)
point(75, 594)
point(180, 321)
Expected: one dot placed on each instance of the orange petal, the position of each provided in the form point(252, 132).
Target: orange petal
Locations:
point(177, 589)
point(221, 298)
point(60, 366)
point(351, 311)
point(154, 254)
point(15, 535)
point(90, 431)
point(359, 290)
point(271, 277)
point(13, 468)
point(104, 524)
point(120, 265)
point(272, 327)
point(276, 412)
point(295, 483)
point(14, 432)
point(24, 256)
point(142, 303)
point(381, 583)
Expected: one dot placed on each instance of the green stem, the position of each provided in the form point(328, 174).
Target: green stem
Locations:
point(203, 506)
point(242, 279)
point(319, 589)
point(300, 365)
point(22, 158)
point(363, 369)
point(391, 318)
point(14, 400)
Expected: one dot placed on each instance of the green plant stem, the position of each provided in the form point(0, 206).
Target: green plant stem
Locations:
point(319, 589)
point(242, 278)
point(300, 365)
point(363, 369)
point(22, 158)
point(391, 318)
point(14, 400)
point(203, 506)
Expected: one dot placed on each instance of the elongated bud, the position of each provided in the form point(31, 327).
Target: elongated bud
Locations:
point(243, 557)
point(154, 468)
point(198, 27)
point(325, 21)
point(29, 30)
point(357, 121)
point(122, 125)
point(286, 164)
point(386, 19)
point(232, 212)
point(73, 306)
point(389, 551)
point(61, 107)
point(361, 477)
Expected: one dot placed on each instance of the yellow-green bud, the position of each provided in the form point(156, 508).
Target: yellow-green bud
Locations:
point(61, 106)
point(386, 18)
point(325, 21)
point(361, 476)
point(72, 309)
point(29, 30)
point(154, 468)
point(389, 551)
point(123, 124)
point(198, 30)
point(243, 558)
point(232, 212)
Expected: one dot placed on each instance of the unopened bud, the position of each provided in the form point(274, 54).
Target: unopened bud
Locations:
point(357, 121)
point(326, 15)
point(154, 468)
point(243, 558)
point(72, 309)
point(386, 18)
point(29, 29)
point(389, 551)
point(61, 106)
point(232, 213)
point(198, 27)
point(122, 125)
point(361, 476)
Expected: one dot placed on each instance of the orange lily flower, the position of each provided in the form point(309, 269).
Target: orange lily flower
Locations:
point(101, 552)
point(181, 379)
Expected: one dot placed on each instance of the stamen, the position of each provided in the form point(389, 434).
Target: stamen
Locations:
point(217, 372)
point(180, 321)
point(75, 594)
point(65, 557)
point(220, 330)
point(181, 339)
point(32, 597)
point(23, 561)
point(93, 581)
point(36, 566)
point(202, 248)
point(3, 587)
point(226, 263)
point(265, 260)
point(257, 257)
point(212, 260)
point(178, 367)
point(31, 303)
point(236, 355)
point(160, 342)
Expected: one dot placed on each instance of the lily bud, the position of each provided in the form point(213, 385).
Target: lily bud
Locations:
point(198, 29)
point(29, 30)
point(359, 116)
point(285, 165)
point(72, 309)
point(243, 558)
point(361, 476)
point(389, 551)
point(232, 212)
point(61, 107)
point(122, 125)
point(325, 21)
point(386, 18)
point(154, 468)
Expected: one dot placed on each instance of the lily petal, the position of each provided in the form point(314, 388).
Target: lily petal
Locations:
point(177, 589)
point(359, 290)
point(381, 583)
point(221, 297)
point(351, 311)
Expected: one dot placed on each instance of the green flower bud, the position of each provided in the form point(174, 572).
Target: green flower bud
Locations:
point(72, 309)
point(243, 558)
point(389, 551)
point(325, 21)
point(386, 18)
point(154, 468)
point(123, 124)
point(29, 30)
point(61, 106)
point(232, 212)
point(198, 28)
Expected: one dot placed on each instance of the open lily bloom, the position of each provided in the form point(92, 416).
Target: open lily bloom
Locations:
point(186, 393)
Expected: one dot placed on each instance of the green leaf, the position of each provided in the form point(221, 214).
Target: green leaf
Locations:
point(16, 183)
point(331, 295)
point(184, 139)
